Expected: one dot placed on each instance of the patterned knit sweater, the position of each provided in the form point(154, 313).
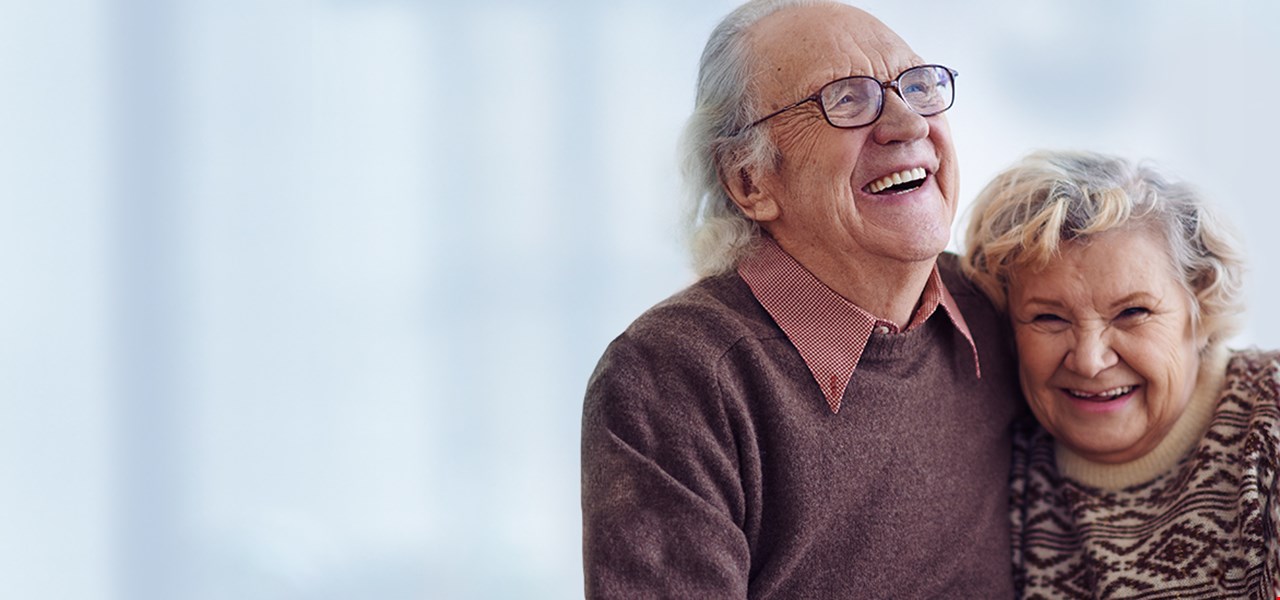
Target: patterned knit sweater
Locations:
point(1207, 528)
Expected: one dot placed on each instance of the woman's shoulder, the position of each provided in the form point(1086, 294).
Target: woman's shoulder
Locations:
point(1251, 399)
point(1254, 364)
point(1256, 355)
point(1255, 372)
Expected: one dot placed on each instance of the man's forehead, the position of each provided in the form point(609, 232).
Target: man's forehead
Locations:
point(811, 45)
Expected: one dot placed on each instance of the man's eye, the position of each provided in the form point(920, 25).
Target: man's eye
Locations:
point(851, 96)
point(918, 89)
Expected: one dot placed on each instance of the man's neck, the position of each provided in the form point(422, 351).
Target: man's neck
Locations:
point(889, 295)
point(888, 289)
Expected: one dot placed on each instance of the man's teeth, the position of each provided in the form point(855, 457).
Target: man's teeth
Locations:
point(1111, 394)
point(898, 178)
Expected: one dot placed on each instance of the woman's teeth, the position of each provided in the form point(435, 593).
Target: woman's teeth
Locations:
point(907, 179)
point(1111, 394)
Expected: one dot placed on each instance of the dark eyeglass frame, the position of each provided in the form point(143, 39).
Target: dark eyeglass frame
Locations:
point(884, 85)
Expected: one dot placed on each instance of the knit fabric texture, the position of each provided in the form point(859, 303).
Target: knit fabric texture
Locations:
point(1207, 528)
point(713, 467)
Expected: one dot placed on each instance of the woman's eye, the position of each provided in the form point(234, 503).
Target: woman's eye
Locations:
point(1048, 318)
point(1133, 312)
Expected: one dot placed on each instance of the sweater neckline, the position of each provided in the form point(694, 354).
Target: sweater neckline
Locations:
point(830, 332)
point(1185, 435)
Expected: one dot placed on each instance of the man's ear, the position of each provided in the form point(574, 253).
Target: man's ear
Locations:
point(746, 189)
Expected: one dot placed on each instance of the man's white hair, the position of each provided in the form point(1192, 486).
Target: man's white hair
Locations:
point(719, 233)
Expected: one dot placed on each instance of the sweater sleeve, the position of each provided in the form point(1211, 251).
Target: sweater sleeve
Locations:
point(662, 499)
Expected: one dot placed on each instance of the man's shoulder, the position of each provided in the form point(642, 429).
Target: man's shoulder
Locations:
point(953, 277)
point(671, 357)
point(716, 310)
point(685, 335)
point(991, 331)
point(978, 310)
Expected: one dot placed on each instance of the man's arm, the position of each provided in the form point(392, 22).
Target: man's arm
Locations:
point(662, 500)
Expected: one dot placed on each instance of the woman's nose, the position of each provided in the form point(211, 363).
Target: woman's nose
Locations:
point(1091, 354)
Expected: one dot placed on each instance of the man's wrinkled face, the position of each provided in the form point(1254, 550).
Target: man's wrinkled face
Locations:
point(883, 192)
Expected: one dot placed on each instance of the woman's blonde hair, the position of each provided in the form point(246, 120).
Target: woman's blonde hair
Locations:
point(1024, 216)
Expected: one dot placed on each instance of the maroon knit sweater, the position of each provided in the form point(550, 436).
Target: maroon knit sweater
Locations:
point(712, 466)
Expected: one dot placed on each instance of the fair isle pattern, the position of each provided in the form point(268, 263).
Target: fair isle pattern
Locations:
point(1207, 529)
point(830, 332)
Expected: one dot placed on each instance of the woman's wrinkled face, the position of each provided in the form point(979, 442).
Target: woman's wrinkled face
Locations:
point(1107, 350)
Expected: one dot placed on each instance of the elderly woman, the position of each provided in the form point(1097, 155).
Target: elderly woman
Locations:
point(1153, 471)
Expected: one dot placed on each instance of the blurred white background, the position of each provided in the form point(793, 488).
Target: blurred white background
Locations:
point(300, 296)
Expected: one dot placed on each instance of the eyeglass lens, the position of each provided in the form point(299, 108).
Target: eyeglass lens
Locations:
point(856, 101)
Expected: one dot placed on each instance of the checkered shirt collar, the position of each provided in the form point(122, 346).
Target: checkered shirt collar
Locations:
point(830, 332)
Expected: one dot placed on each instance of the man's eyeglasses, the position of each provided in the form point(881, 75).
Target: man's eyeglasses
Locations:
point(858, 101)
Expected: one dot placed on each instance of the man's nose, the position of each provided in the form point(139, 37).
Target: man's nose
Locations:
point(897, 122)
point(1091, 353)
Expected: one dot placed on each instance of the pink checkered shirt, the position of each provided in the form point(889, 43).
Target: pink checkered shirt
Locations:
point(829, 331)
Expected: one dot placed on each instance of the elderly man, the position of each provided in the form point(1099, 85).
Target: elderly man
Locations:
point(826, 413)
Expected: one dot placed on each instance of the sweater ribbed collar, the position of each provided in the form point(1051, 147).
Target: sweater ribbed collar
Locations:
point(829, 331)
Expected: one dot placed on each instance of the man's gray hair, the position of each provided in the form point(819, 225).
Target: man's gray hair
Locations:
point(714, 143)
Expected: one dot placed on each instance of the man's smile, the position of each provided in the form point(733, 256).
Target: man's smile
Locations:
point(894, 183)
